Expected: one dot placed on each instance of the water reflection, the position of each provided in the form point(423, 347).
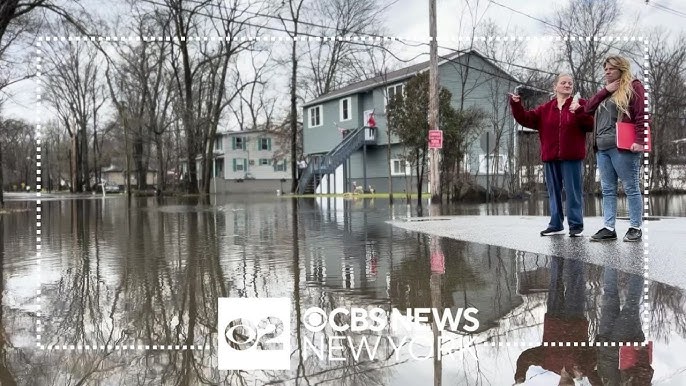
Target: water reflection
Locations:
point(566, 320)
point(127, 286)
point(627, 365)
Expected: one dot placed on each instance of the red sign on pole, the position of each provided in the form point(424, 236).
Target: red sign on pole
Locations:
point(435, 139)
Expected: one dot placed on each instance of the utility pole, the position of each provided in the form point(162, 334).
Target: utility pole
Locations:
point(434, 154)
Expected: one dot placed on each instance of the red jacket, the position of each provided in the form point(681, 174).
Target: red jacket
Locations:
point(562, 132)
point(554, 358)
point(639, 117)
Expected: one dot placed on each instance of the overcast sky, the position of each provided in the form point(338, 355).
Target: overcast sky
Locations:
point(409, 19)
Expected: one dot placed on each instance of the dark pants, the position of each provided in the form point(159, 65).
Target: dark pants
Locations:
point(567, 175)
point(567, 291)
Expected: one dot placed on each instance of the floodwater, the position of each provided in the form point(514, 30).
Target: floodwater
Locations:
point(126, 293)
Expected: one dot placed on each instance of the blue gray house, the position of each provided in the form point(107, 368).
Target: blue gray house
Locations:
point(343, 153)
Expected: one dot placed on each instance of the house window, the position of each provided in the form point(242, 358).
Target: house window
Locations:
point(400, 167)
point(239, 143)
point(280, 166)
point(264, 144)
point(315, 116)
point(344, 107)
point(218, 145)
point(392, 91)
point(218, 167)
point(265, 161)
point(239, 164)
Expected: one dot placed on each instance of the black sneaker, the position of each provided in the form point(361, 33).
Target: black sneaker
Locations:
point(576, 232)
point(633, 234)
point(604, 234)
point(552, 231)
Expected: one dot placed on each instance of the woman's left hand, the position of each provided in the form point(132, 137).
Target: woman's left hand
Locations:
point(574, 106)
point(636, 148)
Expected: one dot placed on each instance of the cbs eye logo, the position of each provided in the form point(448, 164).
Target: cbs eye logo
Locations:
point(242, 334)
point(254, 333)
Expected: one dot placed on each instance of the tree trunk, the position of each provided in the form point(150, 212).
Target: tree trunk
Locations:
point(74, 164)
point(83, 157)
point(2, 183)
point(161, 164)
point(141, 172)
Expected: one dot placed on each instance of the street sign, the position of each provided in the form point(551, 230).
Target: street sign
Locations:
point(435, 139)
point(487, 141)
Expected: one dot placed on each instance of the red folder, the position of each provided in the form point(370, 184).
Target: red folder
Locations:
point(630, 356)
point(626, 136)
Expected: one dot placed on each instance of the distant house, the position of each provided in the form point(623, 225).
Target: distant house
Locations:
point(250, 161)
point(117, 175)
point(341, 152)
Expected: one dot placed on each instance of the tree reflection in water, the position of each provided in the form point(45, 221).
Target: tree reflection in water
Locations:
point(150, 274)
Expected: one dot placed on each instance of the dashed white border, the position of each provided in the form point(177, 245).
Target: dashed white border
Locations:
point(371, 39)
point(646, 192)
point(349, 38)
point(39, 83)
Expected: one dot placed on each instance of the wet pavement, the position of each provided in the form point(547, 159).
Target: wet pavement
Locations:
point(128, 295)
point(659, 248)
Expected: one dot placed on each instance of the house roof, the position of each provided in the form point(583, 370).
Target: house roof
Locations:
point(398, 75)
point(248, 132)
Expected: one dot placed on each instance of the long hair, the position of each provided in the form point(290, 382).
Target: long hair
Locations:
point(625, 92)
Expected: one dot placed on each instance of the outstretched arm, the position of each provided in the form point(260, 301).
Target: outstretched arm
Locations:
point(526, 118)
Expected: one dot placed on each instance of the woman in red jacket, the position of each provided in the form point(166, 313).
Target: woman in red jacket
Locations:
point(562, 129)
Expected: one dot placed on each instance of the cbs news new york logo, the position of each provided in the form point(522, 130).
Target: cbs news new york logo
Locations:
point(254, 333)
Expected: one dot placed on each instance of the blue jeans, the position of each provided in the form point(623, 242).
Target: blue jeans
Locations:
point(567, 175)
point(617, 323)
point(612, 164)
point(567, 291)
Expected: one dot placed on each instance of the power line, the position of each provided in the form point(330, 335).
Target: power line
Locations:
point(666, 9)
point(405, 42)
point(571, 33)
point(318, 37)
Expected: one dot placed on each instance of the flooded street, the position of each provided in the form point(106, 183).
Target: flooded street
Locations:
point(126, 294)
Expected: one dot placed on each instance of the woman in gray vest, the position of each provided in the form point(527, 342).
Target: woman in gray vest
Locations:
point(621, 100)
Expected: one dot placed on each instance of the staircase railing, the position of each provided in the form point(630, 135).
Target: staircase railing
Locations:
point(333, 159)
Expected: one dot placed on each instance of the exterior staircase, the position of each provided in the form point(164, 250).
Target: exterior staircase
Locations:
point(321, 165)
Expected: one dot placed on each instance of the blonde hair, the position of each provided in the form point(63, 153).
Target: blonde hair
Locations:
point(625, 92)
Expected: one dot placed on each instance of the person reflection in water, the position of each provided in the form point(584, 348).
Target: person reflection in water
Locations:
point(564, 321)
point(624, 365)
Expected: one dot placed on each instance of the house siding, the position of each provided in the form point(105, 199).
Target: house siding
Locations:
point(485, 87)
point(254, 154)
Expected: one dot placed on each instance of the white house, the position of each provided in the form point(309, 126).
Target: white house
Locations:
point(250, 161)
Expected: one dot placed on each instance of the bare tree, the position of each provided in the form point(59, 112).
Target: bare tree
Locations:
point(200, 72)
point(668, 105)
point(15, 152)
point(293, 9)
point(331, 63)
point(584, 57)
point(505, 56)
point(70, 90)
point(255, 107)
